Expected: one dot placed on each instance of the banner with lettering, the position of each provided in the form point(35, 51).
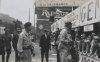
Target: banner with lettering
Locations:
point(90, 12)
point(74, 17)
point(46, 12)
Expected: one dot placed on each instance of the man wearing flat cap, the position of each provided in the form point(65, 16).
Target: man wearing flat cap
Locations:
point(45, 45)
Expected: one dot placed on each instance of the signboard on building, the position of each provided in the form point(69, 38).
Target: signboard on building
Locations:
point(2, 30)
point(90, 13)
point(88, 28)
point(46, 12)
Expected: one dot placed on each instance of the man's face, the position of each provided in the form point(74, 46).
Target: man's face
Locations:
point(57, 29)
point(29, 28)
point(7, 31)
point(46, 32)
point(18, 32)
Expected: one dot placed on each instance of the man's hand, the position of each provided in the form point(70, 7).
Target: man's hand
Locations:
point(21, 55)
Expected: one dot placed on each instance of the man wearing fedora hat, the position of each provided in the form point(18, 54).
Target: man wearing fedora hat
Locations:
point(14, 43)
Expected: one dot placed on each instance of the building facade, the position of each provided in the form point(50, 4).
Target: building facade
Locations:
point(57, 8)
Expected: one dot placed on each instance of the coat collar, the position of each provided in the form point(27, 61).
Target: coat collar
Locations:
point(27, 34)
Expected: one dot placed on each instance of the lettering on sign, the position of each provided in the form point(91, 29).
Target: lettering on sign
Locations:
point(75, 20)
point(47, 14)
point(88, 28)
point(83, 14)
point(90, 11)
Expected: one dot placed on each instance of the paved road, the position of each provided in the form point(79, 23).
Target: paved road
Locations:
point(37, 58)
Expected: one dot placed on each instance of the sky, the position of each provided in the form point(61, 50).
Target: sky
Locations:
point(18, 9)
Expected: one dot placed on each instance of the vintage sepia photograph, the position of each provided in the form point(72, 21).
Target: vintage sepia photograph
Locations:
point(49, 30)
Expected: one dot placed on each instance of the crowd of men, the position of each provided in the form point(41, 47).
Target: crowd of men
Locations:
point(21, 41)
point(64, 44)
point(89, 45)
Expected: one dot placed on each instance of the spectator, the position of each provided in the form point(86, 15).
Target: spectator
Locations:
point(82, 43)
point(98, 48)
point(45, 46)
point(88, 44)
point(94, 46)
point(14, 43)
point(56, 38)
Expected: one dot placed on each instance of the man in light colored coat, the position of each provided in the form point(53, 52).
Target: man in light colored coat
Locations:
point(25, 44)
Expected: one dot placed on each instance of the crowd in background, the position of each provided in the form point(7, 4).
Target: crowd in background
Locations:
point(8, 40)
point(89, 45)
point(64, 44)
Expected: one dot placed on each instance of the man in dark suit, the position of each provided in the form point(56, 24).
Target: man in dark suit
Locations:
point(45, 45)
point(57, 33)
point(14, 43)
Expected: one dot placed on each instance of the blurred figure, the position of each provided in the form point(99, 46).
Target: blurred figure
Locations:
point(94, 46)
point(45, 45)
point(7, 40)
point(15, 42)
point(83, 43)
point(24, 45)
point(98, 48)
point(65, 45)
point(2, 48)
point(56, 38)
point(88, 44)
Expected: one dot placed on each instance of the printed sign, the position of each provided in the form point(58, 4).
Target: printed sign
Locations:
point(88, 28)
point(89, 13)
point(46, 12)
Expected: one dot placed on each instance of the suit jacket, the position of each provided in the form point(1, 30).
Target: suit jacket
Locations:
point(45, 42)
point(2, 44)
point(15, 41)
point(7, 39)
